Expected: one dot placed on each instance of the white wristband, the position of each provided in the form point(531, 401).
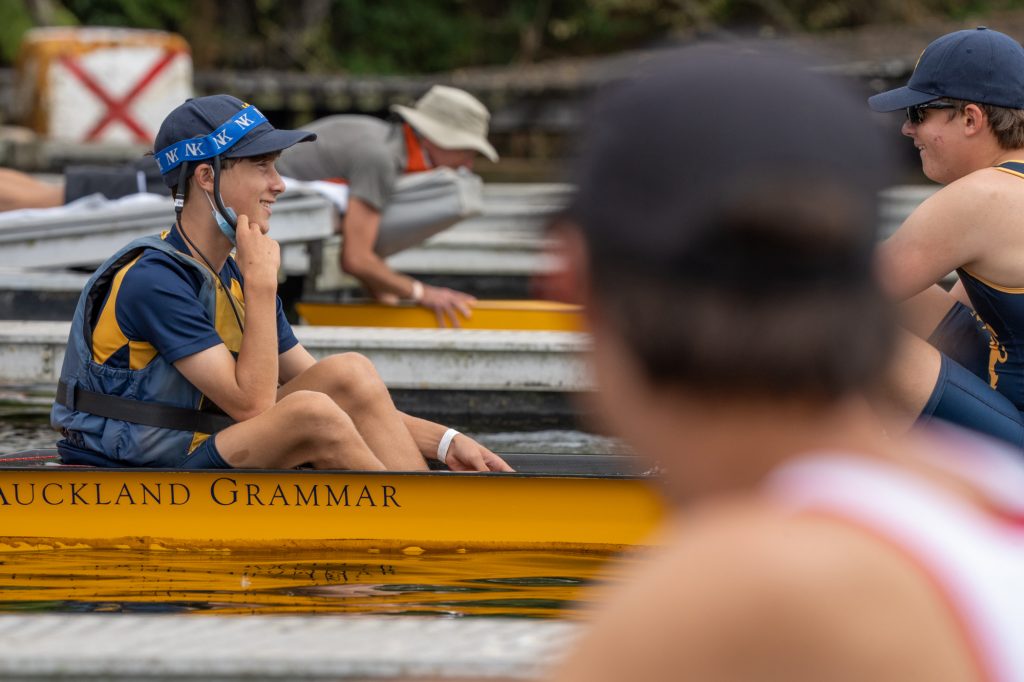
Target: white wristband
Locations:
point(446, 441)
point(417, 291)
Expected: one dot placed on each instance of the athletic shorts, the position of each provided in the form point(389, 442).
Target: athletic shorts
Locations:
point(114, 182)
point(964, 339)
point(206, 456)
point(962, 393)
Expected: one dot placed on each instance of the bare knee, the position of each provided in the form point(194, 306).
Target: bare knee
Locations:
point(325, 433)
point(314, 418)
point(353, 375)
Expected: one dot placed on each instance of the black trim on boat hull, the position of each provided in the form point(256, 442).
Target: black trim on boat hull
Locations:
point(572, 465)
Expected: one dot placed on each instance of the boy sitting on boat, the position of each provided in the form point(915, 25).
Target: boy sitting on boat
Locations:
point(722, 240)
point(180, 355)
point(963, 358)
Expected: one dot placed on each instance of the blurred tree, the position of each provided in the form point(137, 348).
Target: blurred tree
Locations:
point(162, 14)
point(421, 36)
point(14, 21)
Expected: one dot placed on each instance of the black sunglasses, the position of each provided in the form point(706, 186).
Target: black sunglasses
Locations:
point(915, 115)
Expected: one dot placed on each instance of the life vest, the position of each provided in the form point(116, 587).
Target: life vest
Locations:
point(145, 416)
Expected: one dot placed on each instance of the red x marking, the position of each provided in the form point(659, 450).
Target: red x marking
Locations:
point(117, 108)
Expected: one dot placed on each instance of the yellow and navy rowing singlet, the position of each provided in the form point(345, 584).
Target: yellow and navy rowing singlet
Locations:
point(1002, 310)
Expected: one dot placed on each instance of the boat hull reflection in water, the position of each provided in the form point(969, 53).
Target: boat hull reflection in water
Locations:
point(541, 584)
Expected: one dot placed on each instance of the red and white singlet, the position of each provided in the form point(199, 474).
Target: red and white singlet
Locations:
point(972, 553)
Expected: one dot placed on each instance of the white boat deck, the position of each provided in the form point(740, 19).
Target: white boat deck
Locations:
point(505, 239)
point(202, 647)
point(442, 359)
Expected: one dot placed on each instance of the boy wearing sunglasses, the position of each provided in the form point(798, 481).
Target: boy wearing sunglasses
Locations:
point(803, 544)
point(963, 358)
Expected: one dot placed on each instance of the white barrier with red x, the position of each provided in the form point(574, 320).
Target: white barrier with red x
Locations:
point(115, 94)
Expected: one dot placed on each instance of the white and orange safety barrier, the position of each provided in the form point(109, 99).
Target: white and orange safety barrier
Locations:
point(101, 84)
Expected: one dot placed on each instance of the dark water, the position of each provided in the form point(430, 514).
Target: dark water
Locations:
point(25, 433)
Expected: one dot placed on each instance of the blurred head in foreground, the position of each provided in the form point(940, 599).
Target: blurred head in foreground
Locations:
point(721, 240)
point(722, 236)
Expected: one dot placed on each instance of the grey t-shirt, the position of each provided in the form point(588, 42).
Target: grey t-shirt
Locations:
point(366, 152)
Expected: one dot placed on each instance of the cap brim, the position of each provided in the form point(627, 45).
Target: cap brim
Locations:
point(444, 136)
point(273, 140)
point(900, 98)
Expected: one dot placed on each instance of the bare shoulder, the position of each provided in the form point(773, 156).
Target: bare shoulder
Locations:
point(962, 217)
point(978, 199)
point(806, 598)
point(962, 197)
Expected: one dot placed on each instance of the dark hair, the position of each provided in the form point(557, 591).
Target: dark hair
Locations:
point(727, 196)
point(776, 304)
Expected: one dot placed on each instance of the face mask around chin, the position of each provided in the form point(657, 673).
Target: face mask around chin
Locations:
point(224, 225)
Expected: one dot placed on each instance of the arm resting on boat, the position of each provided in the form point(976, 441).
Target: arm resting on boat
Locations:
point(464, 453)
point(360, 227)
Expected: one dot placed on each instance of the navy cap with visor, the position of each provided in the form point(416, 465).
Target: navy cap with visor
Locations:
point(976, 65)
point(217, 125)
point(657, 180)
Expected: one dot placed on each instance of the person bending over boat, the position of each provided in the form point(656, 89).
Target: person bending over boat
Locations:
point(962, 359)
point(722, 240)
point(180, 355)
point(447, 127)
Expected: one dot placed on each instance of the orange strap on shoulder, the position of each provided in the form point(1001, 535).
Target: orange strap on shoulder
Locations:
point(415, 160)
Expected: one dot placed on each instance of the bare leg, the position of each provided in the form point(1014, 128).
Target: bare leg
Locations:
point(304, 427)
point(353, 383)
point(19, 190)
point(908, 383)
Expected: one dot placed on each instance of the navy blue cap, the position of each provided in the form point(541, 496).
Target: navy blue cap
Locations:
point(672, 150)
point(977, 65)
point(223, 125)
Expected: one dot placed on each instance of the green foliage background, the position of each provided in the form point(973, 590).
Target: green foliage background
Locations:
point(424, 36)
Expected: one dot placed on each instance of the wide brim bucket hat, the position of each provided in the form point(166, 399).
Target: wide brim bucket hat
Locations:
point(450, 118)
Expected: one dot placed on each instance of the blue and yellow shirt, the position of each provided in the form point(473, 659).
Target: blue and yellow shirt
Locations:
point(148, 306)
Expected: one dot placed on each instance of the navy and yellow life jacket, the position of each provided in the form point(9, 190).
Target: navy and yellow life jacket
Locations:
point(145, 414)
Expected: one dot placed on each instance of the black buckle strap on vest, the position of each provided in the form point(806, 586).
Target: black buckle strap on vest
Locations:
point(75, 397)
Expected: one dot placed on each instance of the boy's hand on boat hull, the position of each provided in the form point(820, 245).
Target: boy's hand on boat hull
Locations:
point(465, 454)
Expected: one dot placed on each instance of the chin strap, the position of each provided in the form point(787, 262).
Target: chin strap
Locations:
point(179, 195)
point(221, 208)
point(179, 205)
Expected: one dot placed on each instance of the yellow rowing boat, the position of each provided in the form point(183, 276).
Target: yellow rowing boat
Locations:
point(494, 314)
point(554, 502)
